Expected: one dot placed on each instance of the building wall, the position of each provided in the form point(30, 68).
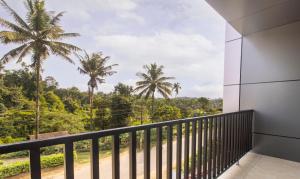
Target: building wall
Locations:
point(270, 84)
point(232, 71)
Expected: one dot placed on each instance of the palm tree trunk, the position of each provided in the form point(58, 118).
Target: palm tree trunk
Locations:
point(37, 100)
point(91, 107)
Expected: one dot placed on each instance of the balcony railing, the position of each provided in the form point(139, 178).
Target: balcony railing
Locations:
point(215, 142)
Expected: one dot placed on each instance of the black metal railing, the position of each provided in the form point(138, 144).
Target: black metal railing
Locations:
point(216, 143)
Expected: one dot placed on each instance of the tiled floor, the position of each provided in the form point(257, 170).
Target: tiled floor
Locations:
point(255, 166)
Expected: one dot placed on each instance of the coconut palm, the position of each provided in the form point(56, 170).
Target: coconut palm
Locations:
point(38, 34)
point(176, 88)
point(94, 65)
point(154, 80)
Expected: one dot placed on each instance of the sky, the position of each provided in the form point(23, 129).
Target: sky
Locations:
point(185, 36)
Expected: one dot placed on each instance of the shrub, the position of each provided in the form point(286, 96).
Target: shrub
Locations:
point(52, 160)
point(2, 108)
point(12, 155)
point(1, 162)
point(23, 166)
point(14, 169)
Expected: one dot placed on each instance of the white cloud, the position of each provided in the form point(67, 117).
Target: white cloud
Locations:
point(191, 58)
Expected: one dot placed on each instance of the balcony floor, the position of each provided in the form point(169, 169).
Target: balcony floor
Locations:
point(255, 166)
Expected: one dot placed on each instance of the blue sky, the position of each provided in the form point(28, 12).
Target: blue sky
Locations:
point(186, 36)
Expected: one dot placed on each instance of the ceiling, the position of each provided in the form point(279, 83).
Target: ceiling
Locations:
point(249, 16)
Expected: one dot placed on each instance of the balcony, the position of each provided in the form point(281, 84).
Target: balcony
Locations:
point(207, 149)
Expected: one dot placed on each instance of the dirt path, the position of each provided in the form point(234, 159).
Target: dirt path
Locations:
point(83, 171)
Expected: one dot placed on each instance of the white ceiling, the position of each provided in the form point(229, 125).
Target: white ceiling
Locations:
point(248, 16)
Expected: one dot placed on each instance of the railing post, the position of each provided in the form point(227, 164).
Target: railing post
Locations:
point(186, 149)
point(147, 154)
point(200, 154)
point(132, 155)
point(205, 149)
point(193, 148)
point(158, 152)
point(210, 147)
point(35, 163)
point(95, 158)
point(178, 151)
point(169, 151)
point(116, 157)
point(69, 160)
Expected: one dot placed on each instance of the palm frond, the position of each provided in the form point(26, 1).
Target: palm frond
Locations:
point(13, 13)
point(12, 54)
point(14, 27)
point(7, 37)
point(56, 18)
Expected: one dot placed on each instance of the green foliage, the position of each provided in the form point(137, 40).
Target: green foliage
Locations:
point(103, 118)
point(12, 97)
point(13, 169)
point(2, 108)
point(52, 160)
point(53, 101)
point(71, 105)
point(17, 168)
point(121, 109)
point(167, 112)
point(123, 90)
point(17, 123)
point(1, 162)
point(61, 121)
point(13, 155)
point(22, 78)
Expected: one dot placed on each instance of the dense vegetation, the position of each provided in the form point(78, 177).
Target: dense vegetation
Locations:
point(68, 109)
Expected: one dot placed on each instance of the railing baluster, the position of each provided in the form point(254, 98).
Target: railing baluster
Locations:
point(35, 163)
point(251, 123)
point(147, 153)
point(132, 155)
point(193, 147)
point(227, 127)
point(205, 149)
point(214, 147)
point(95, 158)
point(199, 159)
point(223, 156)
point(219, 163)
point(169, 151)
point(158, 153)
point(178, 151)
point(235, 138)
point(249, 132)
point(116, 157)
point(244, 134)
point(69, 160)
point(238, 135)
point(230, 139)
point(210, 147)
point(186, 149)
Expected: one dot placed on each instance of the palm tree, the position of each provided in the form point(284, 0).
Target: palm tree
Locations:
point(39, 35)
point(1, 74)
point(154, 80)
point(176, 88)
point(94, 65)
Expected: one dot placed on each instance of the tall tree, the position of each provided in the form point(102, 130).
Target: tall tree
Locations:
point(95, 66)
point(153, 80)
point(176, 88)
point(123, 89)
point(1, 69)
point(39, 35)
